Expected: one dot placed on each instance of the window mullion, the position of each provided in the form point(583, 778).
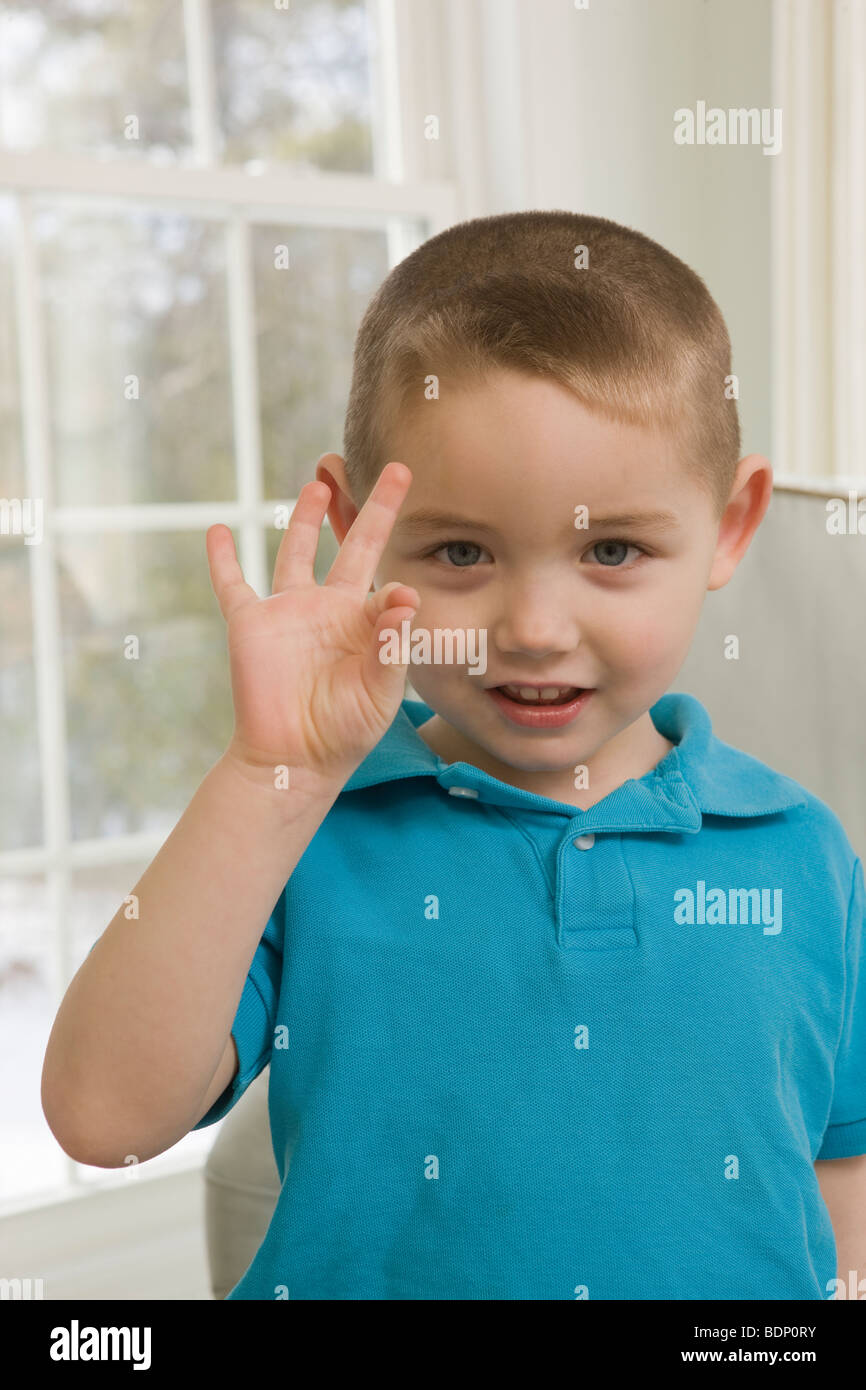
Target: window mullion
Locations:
point(245, 399)
point(200, 76)
point(47, 642)
point(802, 329)
point(848, 194)
point(147, 516)
point(388, 114)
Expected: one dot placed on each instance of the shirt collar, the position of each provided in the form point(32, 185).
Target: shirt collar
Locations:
point(701, 775)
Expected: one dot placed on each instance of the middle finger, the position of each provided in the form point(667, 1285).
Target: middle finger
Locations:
point(358, 557)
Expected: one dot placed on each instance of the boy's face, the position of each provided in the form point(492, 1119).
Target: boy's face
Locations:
point(610, 608)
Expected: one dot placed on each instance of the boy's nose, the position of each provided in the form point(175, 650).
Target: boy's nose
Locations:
point(535, 623)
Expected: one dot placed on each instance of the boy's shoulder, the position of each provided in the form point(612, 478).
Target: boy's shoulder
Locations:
point(734, 777)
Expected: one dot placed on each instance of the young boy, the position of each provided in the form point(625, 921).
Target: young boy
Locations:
point(562, 996)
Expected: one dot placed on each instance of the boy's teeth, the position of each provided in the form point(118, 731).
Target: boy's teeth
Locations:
point(548, 693)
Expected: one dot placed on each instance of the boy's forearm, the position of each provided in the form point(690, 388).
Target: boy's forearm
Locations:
point(144, 1022)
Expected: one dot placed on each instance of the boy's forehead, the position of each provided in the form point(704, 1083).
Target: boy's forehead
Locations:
point(512, 443)
point(528, 427)
point(449, 488)
point(505, 403)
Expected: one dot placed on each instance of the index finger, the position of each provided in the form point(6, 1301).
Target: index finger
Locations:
point(358, 557)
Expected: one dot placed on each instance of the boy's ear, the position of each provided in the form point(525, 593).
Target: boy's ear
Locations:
point(342, 511)
point(750, 497)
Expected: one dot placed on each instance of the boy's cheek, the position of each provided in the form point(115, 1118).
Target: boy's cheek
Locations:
point(650, 641)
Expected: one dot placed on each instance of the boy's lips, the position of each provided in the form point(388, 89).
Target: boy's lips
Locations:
point(535, 714)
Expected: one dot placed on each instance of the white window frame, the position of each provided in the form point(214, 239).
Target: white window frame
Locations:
point(407, 74)
point(818, 236)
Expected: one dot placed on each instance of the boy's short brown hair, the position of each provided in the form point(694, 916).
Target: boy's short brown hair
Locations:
point(635, 336)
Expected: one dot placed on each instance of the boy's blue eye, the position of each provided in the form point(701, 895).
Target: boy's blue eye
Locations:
point(462, 561)
point(464, 554)
point(614, 546)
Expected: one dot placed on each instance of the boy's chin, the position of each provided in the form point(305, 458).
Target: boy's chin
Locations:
point(532, 759)
point(525, 752)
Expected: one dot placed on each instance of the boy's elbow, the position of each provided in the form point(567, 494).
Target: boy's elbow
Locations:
point(84, 1151)
point(96, 1135)
point(64, 1121)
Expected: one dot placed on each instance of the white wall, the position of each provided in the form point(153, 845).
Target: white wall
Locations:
point(579, 114)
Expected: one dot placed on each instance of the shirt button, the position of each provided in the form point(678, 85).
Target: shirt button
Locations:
point(462, 791)
point(585, 841)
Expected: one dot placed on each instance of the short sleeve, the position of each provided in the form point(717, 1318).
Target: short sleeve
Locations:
point(255, 1018)
point(845, 1135)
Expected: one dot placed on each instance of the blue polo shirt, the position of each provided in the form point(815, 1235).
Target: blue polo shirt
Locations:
point(523, 1051)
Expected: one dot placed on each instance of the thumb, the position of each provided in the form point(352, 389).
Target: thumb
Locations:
point(378, 600)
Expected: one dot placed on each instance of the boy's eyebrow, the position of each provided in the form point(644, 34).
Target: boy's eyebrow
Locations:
point(428, 519)
point(649, 521)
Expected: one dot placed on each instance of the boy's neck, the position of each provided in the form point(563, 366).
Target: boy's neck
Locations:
point(635, 751)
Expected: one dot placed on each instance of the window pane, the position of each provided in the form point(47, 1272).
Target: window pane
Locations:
point(31, 1160)
point(293, 82)
point(21, 802)
point(77, 75)
point(138, 365)
point(12, 482)
point(96, 894)
point(307, 316)
point(144, 730)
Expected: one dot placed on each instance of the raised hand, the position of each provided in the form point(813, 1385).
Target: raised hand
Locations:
point(308, 687)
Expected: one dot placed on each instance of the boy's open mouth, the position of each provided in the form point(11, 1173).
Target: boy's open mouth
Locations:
point(545, 695)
